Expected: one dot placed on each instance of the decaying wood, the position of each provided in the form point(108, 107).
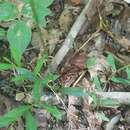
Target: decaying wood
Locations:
point(120, 97)
point(87, 14)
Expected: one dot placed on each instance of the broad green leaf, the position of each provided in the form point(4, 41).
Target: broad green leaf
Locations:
point(30, 122)
point(101, 116)
point(74, 91)
point(12, 115)
point(19, 37)
point(47, 3)
point(53, 110)
point(103, 102)
point(40, 62)
point(36, 90)
point(5, 66)
point(93, 95)
point(26, 10)
point(97, 83)
point(111, 61)
point(18, 79)
point(91, 62)
point(128, 72)
point(2, 34)
point(39, 10)
point(108, 102)
point(120, 80)
point(26, 74)
point(48, 78)
point(8, 11)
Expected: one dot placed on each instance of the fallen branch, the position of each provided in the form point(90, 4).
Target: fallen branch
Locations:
point(120, 97)
point(87, 14)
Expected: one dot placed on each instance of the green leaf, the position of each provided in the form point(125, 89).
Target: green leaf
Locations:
point(8, 11)
point(12, 115)
point(74, 91)
point(4, 66)
point(111, 61)
point(30, 122)
point(18, 79)
point(128, 72)
point(26, 74)
point(8, 60)
point(19, 37)
point(48, 78)
point(91, 62)
point(53, 110)
point(93, 95)
point(47, 3)
point(108, 102)
point(101, 116)
point(103, 102)
point(97, 83)
point(120, 80)
point(2, 34)
point(39, 10)
point(26, 10)
point(40, 62)
point(36, 90)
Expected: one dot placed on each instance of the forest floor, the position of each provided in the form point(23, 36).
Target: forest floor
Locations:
point(88, 42)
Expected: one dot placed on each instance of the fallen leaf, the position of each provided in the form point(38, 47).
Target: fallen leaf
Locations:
point(125, 43)
point(78, 60)
point(69, 75)
point(20, 96)
point(65, 20)
point(76, 2)
point(71, 70)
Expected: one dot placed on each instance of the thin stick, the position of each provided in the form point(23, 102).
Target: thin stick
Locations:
point(89, 39)
point(80, 77)
point(58, 98)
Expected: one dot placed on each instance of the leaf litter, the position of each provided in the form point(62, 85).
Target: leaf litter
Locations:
point(98, 67)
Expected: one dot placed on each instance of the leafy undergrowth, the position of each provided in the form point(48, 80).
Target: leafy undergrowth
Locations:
point(89, 90)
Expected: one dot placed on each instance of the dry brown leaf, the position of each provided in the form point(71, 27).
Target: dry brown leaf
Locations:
point(72, 69)
point(78, 60)
point(20, 96)
point(124, 42)
point(50, 38)
point(41, 117)
point(76, 2)
point(69, 75)
point(65, 20)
